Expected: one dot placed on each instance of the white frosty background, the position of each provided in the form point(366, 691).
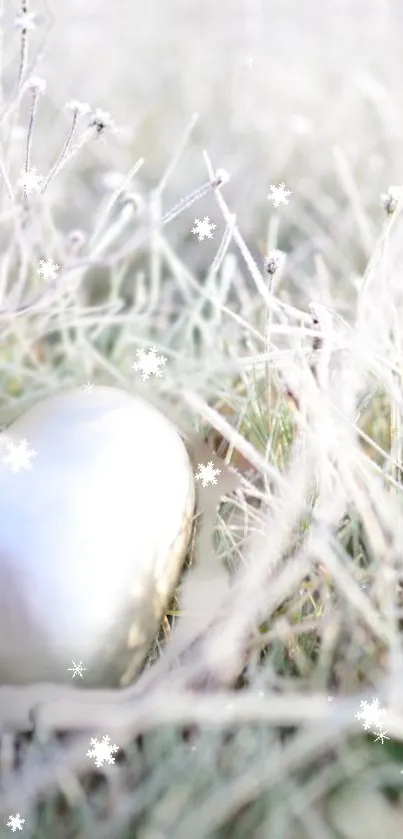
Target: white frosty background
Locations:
point(326, 75)
point(321, 110)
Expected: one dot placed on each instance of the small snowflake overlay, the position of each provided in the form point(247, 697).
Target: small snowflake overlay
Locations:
point(250, 60)
point(47, 269)
point(279, 194)
point(330, 698)
point(372, 717)
point(19, 456)
point(102, 751)
point(16, 822)
point(207, 474)
point(149, 363)
point(88, 388)
point(203, 228)
point(30, 181)
point(76, 669)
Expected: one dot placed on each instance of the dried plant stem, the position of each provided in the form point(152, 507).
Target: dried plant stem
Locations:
point(23, 46)
point(28, 148)
point(64, 155)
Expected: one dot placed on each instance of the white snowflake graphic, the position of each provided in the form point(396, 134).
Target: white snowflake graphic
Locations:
point(77, 669)
point(149, 363)
point(279, 194)
point(30, 181)
point(250, 60)
point(102, 751)
point(207, 474)
point(16, 822)
point(203, 228)
point(47, 269)
point(88, 387)
point(19, 456)
point(373, 719)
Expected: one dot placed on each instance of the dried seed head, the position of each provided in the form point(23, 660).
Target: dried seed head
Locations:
point(36, 84)
point(221, 177)
point(274, 260)
point(102, 119)
point(79, 108)
point(390, 199)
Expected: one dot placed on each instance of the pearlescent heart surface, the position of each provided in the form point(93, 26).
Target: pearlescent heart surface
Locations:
point(92, 537)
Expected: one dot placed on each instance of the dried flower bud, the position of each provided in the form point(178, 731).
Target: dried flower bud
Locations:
point(80, 108)
point(274, 260)
point(36, 84)
point(390, 199)
point(221, 177)
point(102, 119)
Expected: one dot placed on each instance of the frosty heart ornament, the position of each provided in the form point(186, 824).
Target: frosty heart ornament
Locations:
point(96, 512)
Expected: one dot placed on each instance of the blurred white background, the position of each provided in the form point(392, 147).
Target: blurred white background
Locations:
point(319, 107)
